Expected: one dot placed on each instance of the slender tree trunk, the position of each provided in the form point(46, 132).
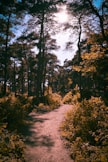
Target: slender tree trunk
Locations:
point(40, 59)
point(79, 40)
point(14, 79)
point(6, 54)
point(45, 64)
point(22, 78)
point(79, 54)
point(101, 20)
point(28, 81)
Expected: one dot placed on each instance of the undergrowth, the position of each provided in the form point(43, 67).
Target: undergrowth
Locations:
point(53, 101)
point(13, 113)
point(13, 119)
point(86, 129)
point(72, 97)
point(11, 146)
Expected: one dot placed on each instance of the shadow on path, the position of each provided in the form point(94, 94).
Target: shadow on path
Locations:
point(31, 132)
point(43, 139)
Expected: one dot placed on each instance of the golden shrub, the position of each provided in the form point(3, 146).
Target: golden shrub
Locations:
point(86, 128)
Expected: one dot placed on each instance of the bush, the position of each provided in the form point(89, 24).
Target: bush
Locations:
point(14, 111)
point(11, 146)
point(67, 99)
point(48, 102)
point(54, 100)
point(72, 97)
point(86, 128)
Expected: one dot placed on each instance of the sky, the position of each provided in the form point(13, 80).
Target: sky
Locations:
point(63, 36)
point(63, 53)
point(97, 3)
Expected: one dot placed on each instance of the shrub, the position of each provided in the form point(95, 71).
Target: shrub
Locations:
point(11, 146)
point(14, 111)
point(54, 100)
point(86, 129)
point(48, 102)
point(37, 101)
point(67, 99)
point(72, 97)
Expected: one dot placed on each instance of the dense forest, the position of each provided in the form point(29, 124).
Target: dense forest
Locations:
point(31, 75)
point(26, 71)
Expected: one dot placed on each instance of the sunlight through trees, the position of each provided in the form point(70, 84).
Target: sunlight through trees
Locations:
point(31, 33)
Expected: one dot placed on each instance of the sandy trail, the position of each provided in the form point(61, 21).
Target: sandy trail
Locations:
point(44, 142)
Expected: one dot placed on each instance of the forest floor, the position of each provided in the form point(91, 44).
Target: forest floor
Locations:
point(43, 138)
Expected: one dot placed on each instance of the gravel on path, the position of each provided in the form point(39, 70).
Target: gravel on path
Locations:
point(44, 143)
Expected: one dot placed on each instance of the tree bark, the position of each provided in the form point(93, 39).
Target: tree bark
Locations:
point(79, 53)
point(6, 55)
point(101, 20)
point(40, 59)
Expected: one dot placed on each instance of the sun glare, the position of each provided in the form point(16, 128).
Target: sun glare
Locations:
point(61, 16)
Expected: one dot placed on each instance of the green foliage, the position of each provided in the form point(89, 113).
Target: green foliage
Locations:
point(86, 129)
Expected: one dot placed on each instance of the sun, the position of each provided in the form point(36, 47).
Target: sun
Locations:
point(62, 15)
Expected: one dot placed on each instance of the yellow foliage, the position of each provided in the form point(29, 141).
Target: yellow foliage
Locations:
point(69, 81)
point(48, 91)
point(72, 98)
point(92, 56)
point(11, 146)
point(41, 105)
point(54, 100)
point(68, 98)
point(77, 68)
point(85, 127)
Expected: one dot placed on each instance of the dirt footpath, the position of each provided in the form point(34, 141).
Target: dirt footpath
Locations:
point(44, 142)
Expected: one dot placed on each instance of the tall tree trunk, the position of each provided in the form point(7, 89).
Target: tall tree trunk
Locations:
point(22, 78)
point(101, 20)
point(40, 59)
point(44, 76)
point(28, 81)
point(14, 88)
point(79, 53)
point(6, 54)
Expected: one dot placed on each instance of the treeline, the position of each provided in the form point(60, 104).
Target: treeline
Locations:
point(88, 68)
point(24, 70)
